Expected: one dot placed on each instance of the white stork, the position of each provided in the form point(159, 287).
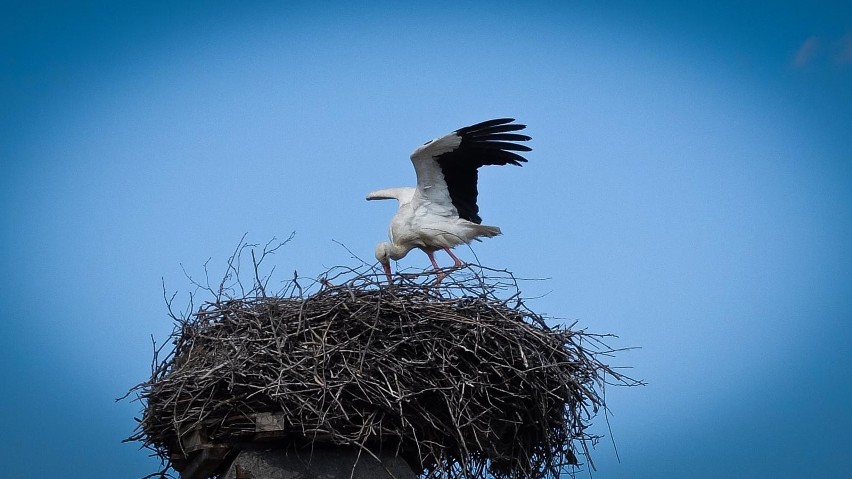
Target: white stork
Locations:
point(441, 212)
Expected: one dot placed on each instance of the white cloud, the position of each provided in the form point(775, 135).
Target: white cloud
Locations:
point(844, 53)
point(819, 50)
point(806, 52)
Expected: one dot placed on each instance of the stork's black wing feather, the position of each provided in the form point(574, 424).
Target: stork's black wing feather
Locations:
point(502, 145)
point(485, 125)
point(486, 143)
point(508, 137)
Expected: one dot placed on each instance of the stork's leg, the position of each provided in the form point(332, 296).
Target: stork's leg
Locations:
point(438, 272)
point(459, 262)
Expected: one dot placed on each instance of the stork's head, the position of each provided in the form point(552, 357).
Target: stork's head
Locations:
point(383, 254)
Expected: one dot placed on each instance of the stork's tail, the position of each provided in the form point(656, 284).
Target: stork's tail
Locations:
point(486, 231)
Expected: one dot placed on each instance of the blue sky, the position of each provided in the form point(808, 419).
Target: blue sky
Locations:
point(690, 190)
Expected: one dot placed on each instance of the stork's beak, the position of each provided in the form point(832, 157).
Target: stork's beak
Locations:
point(388, 272)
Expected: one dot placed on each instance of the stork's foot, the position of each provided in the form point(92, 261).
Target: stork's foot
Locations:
point(457, 263)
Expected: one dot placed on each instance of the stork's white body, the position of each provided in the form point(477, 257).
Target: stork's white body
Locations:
point(429, 216)
point(421, 222)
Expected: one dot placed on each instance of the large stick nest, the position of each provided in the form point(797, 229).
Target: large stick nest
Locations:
point(462, 380)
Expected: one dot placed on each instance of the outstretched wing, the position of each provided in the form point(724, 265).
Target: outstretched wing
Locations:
point(403, 194)
point(447, 166)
